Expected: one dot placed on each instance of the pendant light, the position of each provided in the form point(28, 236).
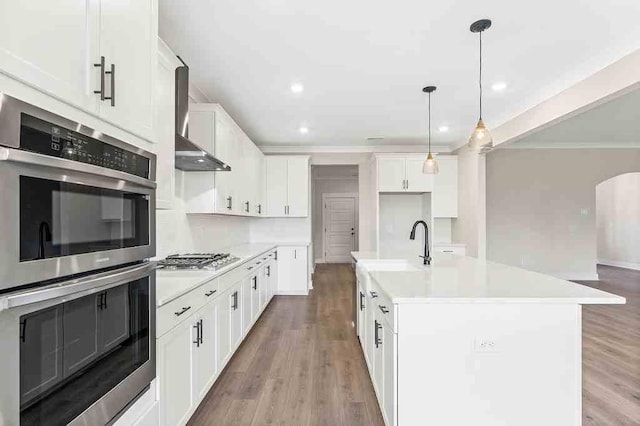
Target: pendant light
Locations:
point(480, 138)
point(430, 165)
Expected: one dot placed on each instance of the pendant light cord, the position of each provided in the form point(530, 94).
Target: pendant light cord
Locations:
point(429, 123)
point(480, 77)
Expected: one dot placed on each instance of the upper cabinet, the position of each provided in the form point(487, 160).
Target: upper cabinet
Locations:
point(99, 56)
point(287, 183)
point(399, 173)
point(403, 174)
point(238, 192)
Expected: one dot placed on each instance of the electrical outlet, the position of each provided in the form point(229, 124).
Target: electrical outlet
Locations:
point(485, 345)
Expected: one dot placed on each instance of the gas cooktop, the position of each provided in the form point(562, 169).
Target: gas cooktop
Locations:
point(198, 261)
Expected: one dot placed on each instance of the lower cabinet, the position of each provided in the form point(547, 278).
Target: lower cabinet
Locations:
point(292, 270)
point(390, 394)
point(191, 355)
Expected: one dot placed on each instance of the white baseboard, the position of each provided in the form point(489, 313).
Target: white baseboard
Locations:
point(319, 261)
point(620, 264)
point(292, 292)
point(311, 284)
point(577, 276)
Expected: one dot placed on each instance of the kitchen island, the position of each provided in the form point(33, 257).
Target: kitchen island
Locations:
point(465, 341)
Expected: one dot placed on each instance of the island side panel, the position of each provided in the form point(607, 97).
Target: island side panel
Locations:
point(489, 364)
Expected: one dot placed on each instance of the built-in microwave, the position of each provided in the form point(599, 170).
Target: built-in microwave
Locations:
point(79, 351)
point(72, 200)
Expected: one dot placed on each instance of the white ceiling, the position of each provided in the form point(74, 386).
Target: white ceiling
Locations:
point(363, 63)
point(615, 124)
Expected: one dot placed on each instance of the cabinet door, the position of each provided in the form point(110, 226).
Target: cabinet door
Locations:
point(235, 316)
point(276, 185)
point(389, 367)
point(225, 146)
point(113, 317)
point(164, 129)
point(257, 283)
point(285, 265)
point(416, 180)
point(360, 307)
point(263, 285)
point(299, 278)
point(175, 369)
point(129, 42)
point(298, 187)
point(40, 352)
point(247, 308)
point(445, 188)
point(204, 360)
point(273, 278)
point(52, 46)
point(260, 207)
point(80, 328)
point(378, 356)
point(369, 353)
point(391, 174)
point(223, 305)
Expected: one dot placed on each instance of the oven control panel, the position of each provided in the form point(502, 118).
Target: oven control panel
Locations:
point(49, 139)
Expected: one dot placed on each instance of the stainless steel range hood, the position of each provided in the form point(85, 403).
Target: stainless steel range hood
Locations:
point(190, 157)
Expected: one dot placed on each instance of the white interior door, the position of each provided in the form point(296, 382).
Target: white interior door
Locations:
point(339, 228)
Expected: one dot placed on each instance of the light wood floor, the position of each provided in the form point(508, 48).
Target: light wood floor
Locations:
point(611, 352)
point(300, 365)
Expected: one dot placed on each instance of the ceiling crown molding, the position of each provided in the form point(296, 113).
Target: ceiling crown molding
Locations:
point(313, 149)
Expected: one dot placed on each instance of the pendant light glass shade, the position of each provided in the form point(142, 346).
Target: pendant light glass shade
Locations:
point(430, 165)
point(481, 137)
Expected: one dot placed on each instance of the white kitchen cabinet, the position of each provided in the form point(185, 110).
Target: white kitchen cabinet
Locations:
point(263, 284)
point(223, 306)
point(360, 307)
point(247, 302)
point(175, 370)
point(292, 270)
point(378, 357)
point(129, 42)
point(235, 315)
point(403, 174)
point(59, 59)
point(389, 363)
point(287, 183)
point(391, 174)
point(205, 365)
point(256, 289)
point(273, 276)
point(239, 192)
point(445, 194)
point(164, 126)
point(64, 59)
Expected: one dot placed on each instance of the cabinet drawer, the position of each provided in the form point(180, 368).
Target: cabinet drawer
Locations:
point(174, 312)
point(381, 303)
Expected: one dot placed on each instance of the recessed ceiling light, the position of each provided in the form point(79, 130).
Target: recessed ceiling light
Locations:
point(303, 129)
point(297, 87)
point(200, 160)
point(499, 86)
point(443, 128)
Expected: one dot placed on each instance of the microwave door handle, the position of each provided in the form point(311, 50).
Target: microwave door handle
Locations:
point(45, 161)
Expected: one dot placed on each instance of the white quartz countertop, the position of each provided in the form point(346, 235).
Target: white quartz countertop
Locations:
point(171, 284)
point(461, 279)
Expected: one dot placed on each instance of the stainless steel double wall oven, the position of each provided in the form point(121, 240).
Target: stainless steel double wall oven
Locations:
point(77, 292)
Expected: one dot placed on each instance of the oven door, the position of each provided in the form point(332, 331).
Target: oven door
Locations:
point(77, 352)
point(61, 218)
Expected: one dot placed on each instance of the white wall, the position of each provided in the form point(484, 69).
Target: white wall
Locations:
point(178, 232)
point(336, 179)
point(469, 228)
point(540, 206)
point(618, 221)
point(398, 213)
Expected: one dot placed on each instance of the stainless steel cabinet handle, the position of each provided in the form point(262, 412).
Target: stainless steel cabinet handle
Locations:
point(201, 333)
point(101, 66)
point(249, 268)
point(113, 85)
point(182, 311)
point(295, 254)
point(210, 293)
point(197, 327)
point(268, 270)
point(447, 251)
point(361, 301)
point(255, 283)
point(383, 309)
point(259, 207)
point(376, 337)
point(373, 294)
point(229, 203)
point(246, 208)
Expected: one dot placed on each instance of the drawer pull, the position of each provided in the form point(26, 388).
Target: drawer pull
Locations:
point(182, 311)
point(209, 293)
point(383, 309)
point(447, 251)
point(373, 294)
point(249, 268)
